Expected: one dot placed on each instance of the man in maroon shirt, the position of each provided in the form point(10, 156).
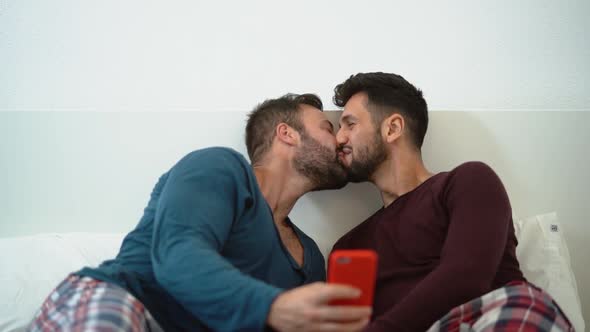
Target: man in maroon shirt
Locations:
point(443, 239)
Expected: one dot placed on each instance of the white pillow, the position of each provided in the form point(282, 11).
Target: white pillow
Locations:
point(545, 261)
point(32, 266)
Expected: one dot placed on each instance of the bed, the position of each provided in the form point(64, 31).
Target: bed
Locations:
point(30, 266)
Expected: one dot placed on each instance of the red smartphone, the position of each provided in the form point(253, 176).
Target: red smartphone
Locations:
point(357, 268)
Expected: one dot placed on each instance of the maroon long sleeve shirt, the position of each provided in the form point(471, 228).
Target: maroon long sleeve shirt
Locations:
point(446, 242)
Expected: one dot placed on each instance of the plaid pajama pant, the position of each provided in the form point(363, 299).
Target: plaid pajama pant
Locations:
point(519, 306)
point(86, 304)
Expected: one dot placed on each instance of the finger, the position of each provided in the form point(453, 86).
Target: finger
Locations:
point(329, 292)
point(343, 313)
point(342, 327)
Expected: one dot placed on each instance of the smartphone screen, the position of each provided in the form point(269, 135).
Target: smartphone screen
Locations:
point(357, 268)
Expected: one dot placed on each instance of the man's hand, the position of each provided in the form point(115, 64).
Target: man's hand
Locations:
point(307, 308)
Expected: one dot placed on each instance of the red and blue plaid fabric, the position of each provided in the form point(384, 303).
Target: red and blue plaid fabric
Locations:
point(519, 306)
point(86, 304)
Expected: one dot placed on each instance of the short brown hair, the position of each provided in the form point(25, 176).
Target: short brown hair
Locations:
point(264, 119)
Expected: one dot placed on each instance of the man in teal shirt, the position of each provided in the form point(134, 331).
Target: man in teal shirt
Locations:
point(215, 248)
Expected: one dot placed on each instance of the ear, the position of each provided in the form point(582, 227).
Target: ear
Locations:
point(287, 134)
point(393, 127)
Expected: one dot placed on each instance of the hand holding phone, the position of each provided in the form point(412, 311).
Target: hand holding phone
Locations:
point(308, 308)
point(357, 268)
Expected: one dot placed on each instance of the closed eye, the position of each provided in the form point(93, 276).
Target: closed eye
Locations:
point(347, 125)
point(328, 126)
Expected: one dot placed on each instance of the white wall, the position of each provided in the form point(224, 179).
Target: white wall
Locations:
point(228, 55)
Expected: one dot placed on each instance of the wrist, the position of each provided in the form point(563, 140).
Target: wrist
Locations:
point(273, 310)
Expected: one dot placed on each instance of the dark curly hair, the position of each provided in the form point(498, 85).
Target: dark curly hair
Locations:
point(387, 94)
point(264, 119)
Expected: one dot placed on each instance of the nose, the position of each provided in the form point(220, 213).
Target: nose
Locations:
point(341, 137)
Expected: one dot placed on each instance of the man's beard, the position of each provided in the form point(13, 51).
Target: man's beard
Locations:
point(319, 164)
point(368, 158)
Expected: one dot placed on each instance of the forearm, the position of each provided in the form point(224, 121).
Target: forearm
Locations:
point(213, 291)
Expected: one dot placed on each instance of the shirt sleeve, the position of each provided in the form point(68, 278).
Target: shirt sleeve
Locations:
point(479, 218)
point(205, 194)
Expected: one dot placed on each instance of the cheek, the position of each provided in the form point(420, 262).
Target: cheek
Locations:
point(359, 141)
point(330, 140)
point(355, 139)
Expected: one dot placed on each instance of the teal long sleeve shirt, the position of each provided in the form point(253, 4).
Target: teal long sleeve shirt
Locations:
point(206, 255)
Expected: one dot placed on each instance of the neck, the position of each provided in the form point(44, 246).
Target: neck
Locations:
point(401, 173)
point(281, 186)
